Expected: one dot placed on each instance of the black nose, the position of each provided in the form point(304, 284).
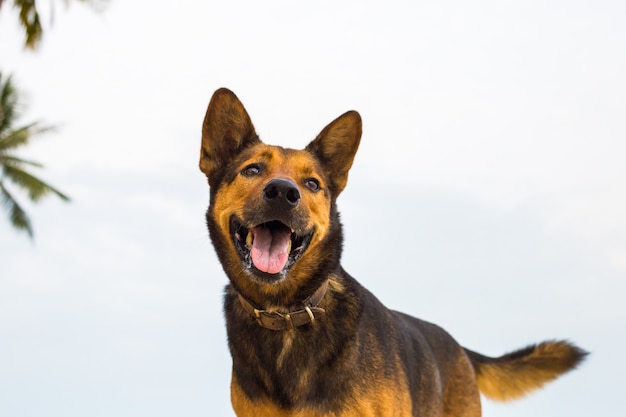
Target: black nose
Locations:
point(282, 193)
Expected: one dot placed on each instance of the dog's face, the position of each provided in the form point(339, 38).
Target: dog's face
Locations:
point(272, 211)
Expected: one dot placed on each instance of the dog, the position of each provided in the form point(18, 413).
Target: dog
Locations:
point(306, 339)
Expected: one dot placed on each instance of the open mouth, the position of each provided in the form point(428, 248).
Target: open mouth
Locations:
point(271, 247)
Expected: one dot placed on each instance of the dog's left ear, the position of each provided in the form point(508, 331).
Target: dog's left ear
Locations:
point(226, 131)
point(335, 148)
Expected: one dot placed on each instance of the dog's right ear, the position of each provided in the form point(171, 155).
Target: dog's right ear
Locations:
point(226, 131)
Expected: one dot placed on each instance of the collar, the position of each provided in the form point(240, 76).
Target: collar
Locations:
point(288, 321)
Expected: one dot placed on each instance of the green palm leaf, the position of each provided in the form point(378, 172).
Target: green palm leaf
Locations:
point(17, 216)
point(29, 19)
point(8, 103)
point(31, 22)
point(15, 161)
point(35, 188)
point(21, 136)
point(12, 167)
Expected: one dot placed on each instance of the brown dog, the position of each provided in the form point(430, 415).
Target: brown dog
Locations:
point(306, 338)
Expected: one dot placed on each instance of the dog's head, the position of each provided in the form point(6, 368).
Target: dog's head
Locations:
point(272, 214)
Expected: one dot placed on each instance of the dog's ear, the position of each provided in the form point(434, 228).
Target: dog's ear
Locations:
point(335, 148)
point(226, 131)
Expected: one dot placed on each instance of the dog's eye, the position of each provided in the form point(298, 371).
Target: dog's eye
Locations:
point(312, 184)
point(251, 170)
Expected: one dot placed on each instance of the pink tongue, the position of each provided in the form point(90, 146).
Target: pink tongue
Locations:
point(270, 249)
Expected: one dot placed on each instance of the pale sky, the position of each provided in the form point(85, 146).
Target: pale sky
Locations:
point(488, 195)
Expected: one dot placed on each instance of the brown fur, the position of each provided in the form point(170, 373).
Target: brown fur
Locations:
point(353, 356)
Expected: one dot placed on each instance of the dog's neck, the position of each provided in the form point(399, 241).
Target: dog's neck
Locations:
point(274, 320)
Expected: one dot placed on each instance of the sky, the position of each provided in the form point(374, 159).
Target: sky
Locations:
point(488, 194)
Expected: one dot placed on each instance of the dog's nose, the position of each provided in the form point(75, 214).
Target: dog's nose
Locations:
point(282, 192)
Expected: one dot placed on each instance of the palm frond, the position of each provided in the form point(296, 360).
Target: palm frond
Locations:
point(15, 161)
point(31, 22)
point(22, 135)
point(8, 102)
point(29, 19)
point(14, 139)
point(35, 188)
point(12, 166)
point(17, 216)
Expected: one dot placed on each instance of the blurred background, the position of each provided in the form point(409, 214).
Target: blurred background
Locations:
point(488, 195)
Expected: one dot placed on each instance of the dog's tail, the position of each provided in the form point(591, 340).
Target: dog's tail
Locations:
point(517, 373)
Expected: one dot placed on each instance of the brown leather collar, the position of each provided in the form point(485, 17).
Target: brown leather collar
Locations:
point(288, 321)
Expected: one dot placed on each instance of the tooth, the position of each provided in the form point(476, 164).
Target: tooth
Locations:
point(289, 247)
point(249, 240)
